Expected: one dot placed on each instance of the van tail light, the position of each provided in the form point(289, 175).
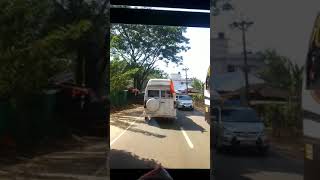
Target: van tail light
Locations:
point(145, 104)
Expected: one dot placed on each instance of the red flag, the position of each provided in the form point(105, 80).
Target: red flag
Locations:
point(172, 87)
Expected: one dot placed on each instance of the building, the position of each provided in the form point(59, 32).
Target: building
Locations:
point(225, 61)
point(180, 82)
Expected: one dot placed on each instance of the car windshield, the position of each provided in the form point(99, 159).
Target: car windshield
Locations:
point(185, 98)
point(237, 115)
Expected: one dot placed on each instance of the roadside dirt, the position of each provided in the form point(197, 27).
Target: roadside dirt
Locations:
point(291, 147)
point(78, 158)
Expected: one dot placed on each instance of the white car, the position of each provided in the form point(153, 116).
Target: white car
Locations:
point(184, 102)
point(159, 99)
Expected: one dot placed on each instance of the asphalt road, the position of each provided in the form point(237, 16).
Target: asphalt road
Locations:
point(137, 144)
point(246, 164)
point(184, 143)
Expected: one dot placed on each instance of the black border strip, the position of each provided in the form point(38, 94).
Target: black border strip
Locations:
point(185, 4)
point(159, 17)
point(132, 174)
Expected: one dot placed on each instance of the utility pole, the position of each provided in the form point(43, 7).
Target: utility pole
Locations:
point(186, 70)
point(243, 26)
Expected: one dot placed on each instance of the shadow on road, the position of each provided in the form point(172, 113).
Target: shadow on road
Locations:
point(125, 123)
point(242, 163)
point(132, 161)
point(183, 120)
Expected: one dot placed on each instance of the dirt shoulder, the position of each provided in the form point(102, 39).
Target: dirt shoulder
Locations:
point(291, 147)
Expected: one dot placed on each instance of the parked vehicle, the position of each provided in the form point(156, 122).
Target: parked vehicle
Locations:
point(160, 99)
point(184, 102)
point(239, 127)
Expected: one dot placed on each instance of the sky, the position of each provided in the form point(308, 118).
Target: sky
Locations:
point(281, 25)
point(197, 59)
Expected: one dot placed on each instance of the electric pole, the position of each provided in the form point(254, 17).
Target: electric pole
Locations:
point(186, 70)
point(243, 26)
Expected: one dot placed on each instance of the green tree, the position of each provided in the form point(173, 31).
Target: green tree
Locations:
point(31, 49)
point(142, 46)
point(158, 74)
point(91, 50)
point(41, 38)
point(277, 72)
point(197, 84)
point(281, 72)
point(120, 77)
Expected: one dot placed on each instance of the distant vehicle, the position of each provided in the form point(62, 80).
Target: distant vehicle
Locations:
point(239, 127)
point(184, 102)
point(160, 99)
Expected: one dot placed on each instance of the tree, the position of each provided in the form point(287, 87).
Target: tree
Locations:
point(120, 78)
point(158, 74)
point(197, 84)
point(92, 50)
point(277, 72)
point(142, 46)
point(283, 73)
point(31, 49)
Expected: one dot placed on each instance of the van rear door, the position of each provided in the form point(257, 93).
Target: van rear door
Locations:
point(167, 106)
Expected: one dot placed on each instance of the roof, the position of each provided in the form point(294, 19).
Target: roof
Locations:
point(157, 82)
point(233, 81)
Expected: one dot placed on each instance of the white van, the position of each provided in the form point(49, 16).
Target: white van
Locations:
point(160, 99)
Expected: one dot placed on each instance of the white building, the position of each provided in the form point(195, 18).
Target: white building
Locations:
point(180, 82)
point(224, 61)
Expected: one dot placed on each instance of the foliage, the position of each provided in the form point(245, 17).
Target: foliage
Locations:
point(277, 72)
point(120, 77)
point(92, 49)
point(197, 84)
point(282, 73)
point(142, 46)
point(39, 39)
point(158, 74)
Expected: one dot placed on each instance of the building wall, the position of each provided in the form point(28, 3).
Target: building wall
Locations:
point(222, 59)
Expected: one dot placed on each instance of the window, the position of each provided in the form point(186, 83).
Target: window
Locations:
point(153, 93)
point(166, 94)
point(231, 68)
point(185, 98)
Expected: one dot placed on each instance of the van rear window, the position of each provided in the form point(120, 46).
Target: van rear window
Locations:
point(166, 94)
point(153, 93)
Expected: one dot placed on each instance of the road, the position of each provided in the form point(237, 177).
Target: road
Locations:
point(184, 143)
point(136, 144)
point(81, 161)
point(246, 164)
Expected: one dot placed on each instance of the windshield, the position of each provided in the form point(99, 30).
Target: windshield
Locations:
point(237, 115)
point(185, 98)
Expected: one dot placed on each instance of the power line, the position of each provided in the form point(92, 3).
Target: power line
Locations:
point(186, 70)
point(243, 26)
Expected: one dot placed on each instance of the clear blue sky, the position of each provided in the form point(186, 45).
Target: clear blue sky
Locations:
point(197, 59)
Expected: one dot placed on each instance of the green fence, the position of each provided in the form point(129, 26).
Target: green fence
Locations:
point(119, 98)
point(31, 119)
